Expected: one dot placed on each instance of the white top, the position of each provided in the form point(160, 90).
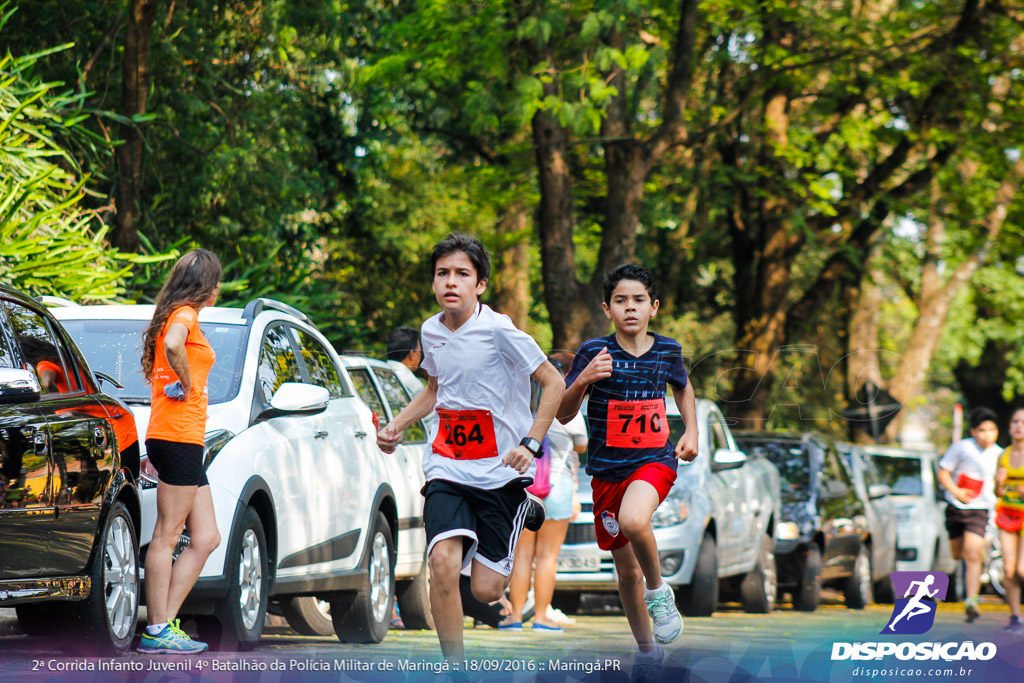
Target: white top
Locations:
point(484, 365)
point(411, 382)
point(563, 438)
point(965, 457)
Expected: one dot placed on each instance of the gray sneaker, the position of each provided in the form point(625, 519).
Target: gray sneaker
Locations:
point(647, 665)
point(661, 604)
point(1016, 626)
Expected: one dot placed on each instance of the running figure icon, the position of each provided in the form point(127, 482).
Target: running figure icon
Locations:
point(914, 607)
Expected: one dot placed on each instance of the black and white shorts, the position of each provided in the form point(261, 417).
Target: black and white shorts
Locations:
point(488, 520)
point(177, 464)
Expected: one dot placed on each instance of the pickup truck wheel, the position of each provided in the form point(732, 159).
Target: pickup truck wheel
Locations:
point(244, 609)
point(308, 616)
point(857, 588)
point(760, 589)
point(108, 616)
point(808, 592)
point(365, 619)
point(413, 599)
point(884, 591)
point(700, 598)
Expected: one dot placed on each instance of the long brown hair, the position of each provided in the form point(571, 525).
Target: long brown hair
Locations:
point(192, 282)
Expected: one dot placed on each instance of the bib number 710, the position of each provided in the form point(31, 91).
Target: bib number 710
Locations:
point(637, 424)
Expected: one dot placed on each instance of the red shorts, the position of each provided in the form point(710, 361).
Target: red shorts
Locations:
point(608, 497)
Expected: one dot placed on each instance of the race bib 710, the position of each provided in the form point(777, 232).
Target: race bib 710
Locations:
point(637, 424)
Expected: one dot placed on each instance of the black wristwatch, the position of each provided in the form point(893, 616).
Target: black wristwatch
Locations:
point(531, 445)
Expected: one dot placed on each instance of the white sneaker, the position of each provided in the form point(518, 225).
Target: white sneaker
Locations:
point(647, 665)
point(558, 617)
point(661, 605)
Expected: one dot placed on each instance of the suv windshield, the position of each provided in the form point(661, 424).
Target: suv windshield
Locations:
point(903, 475)
point(789, 457)
point(114, 347)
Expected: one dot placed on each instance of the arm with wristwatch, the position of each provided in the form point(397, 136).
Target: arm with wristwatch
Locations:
point(522, 456)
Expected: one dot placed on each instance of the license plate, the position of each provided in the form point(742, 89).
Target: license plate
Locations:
point(578, 564)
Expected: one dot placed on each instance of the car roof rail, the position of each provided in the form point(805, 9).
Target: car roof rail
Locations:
point(56, 301)
point(254, 307)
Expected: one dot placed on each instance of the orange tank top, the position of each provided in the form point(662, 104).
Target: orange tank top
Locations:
point(181, 421)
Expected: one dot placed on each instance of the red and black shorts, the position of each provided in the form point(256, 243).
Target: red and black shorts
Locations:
point(608, 498)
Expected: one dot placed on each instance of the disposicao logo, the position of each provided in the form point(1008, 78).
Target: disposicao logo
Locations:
point(914, 614)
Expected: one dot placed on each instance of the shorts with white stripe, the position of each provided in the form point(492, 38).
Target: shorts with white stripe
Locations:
point(489, 521)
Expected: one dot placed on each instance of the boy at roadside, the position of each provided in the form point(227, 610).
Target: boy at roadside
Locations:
point(967, 471)
point(631, 460)
point(483, 440)
point(404, 356)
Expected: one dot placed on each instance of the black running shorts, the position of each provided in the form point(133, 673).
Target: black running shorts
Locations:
point(177, 464)
point(488, 520)
point(959, 521)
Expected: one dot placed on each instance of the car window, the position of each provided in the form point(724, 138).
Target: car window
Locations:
point(903, 475)
point(277, 362)
point(834, 470)
point(114, 347)
point(397, 397)
point(322, 371)
point(717, 434)
point(368, 392)
point(789, 457)
point(41, 351)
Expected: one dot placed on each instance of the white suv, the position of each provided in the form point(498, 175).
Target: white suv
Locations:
point(303, 496)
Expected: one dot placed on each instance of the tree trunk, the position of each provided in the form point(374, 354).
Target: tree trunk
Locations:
point(862, 362)
point(512, 279)
point(134, 95)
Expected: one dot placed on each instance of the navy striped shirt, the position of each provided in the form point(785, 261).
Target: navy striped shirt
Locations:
point(633, 379)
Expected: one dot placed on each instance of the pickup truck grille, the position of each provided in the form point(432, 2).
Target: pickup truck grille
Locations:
point(581, 533)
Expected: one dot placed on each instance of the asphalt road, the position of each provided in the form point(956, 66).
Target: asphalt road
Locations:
point(731, 646)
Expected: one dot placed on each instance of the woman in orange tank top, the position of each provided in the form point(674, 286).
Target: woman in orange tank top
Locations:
point(176, 360)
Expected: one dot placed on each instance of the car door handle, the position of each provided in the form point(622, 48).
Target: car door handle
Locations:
point(320, 435)
point(40, 445)
point(360, 434)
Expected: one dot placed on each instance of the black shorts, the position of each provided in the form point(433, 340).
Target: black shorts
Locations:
point(177, 464)
point(958, 521)
point(488, 520)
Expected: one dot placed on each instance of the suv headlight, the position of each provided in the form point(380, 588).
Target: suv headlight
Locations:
point(214, 442)
point(673, 510)
point(787, 531)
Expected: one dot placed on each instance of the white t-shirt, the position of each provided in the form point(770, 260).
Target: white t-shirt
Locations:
point(484, 365)
point(966, 458)
point(563, 438)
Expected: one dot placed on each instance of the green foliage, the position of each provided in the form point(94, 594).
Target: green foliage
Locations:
point(50, 241)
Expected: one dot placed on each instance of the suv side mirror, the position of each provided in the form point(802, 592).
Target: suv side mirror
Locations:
point(878, 491)
point(19, 386)
point(293, 398)
point(727, 459)
point(835, 489)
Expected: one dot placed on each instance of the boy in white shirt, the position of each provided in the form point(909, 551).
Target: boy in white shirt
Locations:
point(483, 439)
point(967, 471)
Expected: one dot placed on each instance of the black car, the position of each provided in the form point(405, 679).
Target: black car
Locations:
point(823, 538)
point(69, 506)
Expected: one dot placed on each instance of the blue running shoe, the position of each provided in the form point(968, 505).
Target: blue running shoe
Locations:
point(171, 640)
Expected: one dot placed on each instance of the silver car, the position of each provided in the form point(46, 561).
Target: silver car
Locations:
point(717, 526)
point(922, 541)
